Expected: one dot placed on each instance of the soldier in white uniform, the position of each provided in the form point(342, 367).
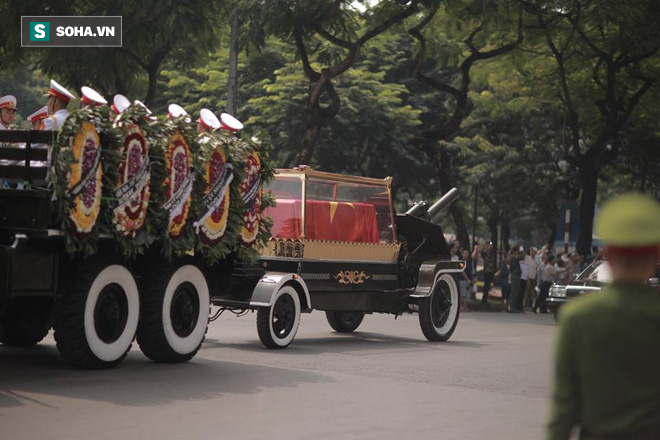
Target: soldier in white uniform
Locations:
point(207, 122)
point(91, 97)
point(58, 99)
point(230, 123)
point(7, 111)
point(37, 118)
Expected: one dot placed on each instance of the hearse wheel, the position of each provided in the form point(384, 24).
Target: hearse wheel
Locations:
point(277, 325)
point(438, 313)
point(344, 322)
point(25, 321)
point(175, 311)
point(96, 315)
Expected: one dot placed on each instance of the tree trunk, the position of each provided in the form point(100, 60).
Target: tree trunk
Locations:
point(314, 125)
point(551, 238)
point(151, 92)
point(588, 172)
point(442, 165)
point(493, 221)
point(506, 233)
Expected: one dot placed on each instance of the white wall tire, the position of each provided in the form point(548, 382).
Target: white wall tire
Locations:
point(175, 304)
point(278, 324)
point(439, 312)
point(97, 314)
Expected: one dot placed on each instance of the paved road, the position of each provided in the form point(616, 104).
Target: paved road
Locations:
point(383, 382)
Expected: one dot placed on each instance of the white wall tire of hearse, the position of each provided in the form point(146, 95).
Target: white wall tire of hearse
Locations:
point(96, 314)
point(175, 312)
point(277, 325)
point(439, 312)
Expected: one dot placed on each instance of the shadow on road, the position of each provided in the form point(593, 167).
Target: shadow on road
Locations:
point(347, 343)
point(136, 381)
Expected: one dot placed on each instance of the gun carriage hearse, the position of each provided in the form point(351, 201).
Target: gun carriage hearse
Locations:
point(337, 246)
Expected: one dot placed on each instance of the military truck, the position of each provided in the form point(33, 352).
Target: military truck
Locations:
point(101, 289)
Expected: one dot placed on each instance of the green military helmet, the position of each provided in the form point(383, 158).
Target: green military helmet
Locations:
point(629, 220)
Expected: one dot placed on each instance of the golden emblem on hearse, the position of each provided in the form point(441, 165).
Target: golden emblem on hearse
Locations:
point(351, 277)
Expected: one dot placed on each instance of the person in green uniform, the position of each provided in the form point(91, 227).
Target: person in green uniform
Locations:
point(607, 369)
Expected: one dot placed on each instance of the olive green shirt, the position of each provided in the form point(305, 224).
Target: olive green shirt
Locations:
point(607, 371)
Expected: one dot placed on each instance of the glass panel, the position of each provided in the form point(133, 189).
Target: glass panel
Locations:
point(347, 212)
point(597, 271)
point(287, 212)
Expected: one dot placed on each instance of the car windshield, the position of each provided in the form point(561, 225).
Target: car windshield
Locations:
point(596, 271)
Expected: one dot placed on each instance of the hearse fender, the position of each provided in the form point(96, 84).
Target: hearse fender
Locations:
point(271, 282)
point(429, 272)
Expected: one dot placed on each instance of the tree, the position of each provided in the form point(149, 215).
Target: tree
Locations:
point(605, 56)
point(457, 30)
point(345, 31)
point(154, 31)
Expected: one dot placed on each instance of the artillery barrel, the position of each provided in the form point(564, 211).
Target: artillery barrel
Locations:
point(418, 209)
point(444, 201)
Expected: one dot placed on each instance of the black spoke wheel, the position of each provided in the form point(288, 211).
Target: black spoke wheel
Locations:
point(277, 325)
point(184, 311)
point(111, 313)
point(283, 316)
point(344, 321)
point(440, 304)
point(175, 311)
point(439, 312)
point(97, 313)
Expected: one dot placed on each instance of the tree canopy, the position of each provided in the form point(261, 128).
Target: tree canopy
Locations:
point(523, 103)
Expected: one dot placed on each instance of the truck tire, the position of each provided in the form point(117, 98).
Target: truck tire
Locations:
point(277, 325)
point(96, 315)
point(26, 321)
point(438, 313)
point(344, 322)
point(175, 312)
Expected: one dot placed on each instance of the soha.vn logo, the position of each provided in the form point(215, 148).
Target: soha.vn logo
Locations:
point(39, 31)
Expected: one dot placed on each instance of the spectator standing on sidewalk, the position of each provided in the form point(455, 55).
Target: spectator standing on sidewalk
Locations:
point(608, 345)
point(454, 250)
point(489, 269)
point(516, 272)
point(467, 279)
point(523, 281)
point(550, 274)
point(530, 287)
point(504, 274)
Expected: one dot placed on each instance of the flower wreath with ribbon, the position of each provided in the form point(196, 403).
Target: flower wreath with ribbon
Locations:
point(136, 215)
point(81, 154)
point(258, 170)
point(181, 162)
point(217, 203)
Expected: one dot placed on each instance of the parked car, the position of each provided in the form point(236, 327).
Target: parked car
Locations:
point(591, 279)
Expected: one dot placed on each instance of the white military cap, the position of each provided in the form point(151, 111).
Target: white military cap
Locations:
point(8, 101)
point(148, 115)
point(141, 104)
point(59, 92)
point(120, 103)
point(208, 120)
point(42, 113)
point(230, 123)
point(175, 111)
point(92, 97)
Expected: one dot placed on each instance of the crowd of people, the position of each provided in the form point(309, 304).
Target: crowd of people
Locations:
point(524, 276)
